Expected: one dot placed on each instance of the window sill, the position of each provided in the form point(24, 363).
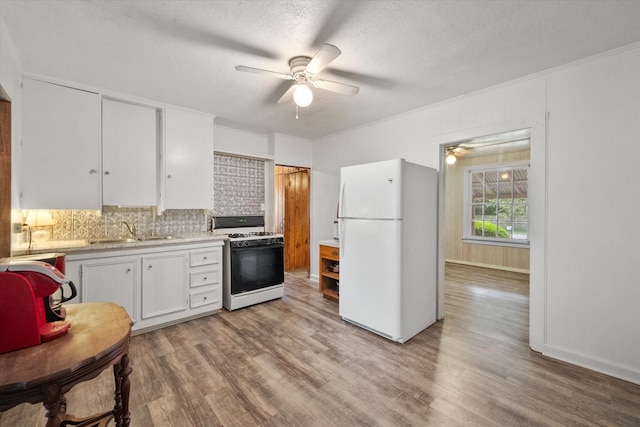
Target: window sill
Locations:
point(524, 244)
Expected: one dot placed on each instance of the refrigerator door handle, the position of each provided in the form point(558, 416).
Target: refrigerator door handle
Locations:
point(341, 234)
point(341, 199)
point(342, 237)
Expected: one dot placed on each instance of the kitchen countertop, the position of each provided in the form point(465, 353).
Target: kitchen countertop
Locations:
point(333, 243)
point(82, 245)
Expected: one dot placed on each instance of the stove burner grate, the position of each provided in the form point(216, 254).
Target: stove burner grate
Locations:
point(252, 234)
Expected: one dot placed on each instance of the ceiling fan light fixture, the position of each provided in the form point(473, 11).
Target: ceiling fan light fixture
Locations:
point(451, 157)
point(303, 95)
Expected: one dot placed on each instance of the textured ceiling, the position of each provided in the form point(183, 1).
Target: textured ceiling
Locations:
point(402, 54)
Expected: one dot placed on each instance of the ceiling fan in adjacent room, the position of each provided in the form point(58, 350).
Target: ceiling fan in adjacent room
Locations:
point(303, 72)
point(453, 152)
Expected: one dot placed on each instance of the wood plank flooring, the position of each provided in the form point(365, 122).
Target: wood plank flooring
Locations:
point(294, 362)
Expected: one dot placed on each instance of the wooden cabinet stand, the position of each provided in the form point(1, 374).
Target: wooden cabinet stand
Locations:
point(328, 273)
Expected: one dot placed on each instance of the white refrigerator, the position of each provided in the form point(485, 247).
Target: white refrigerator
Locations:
point(388, 247)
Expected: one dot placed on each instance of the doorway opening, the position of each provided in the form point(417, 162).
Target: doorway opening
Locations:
point(475, 210)
point(292, 215)
point(5, 175)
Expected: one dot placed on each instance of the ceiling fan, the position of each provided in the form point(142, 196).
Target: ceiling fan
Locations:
point(303, 71)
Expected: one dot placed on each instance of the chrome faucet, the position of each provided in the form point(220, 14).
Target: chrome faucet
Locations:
point(131, 228)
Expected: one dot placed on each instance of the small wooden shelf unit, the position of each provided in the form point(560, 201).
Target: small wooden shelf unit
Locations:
point(329, 280)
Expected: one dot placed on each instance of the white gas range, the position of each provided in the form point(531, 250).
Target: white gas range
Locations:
point(253, 261)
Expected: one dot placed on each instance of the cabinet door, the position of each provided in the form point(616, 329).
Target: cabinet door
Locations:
point(188, 160)
point(129, 154)
point(60, 153)
point(111, 281)
point(164, 284)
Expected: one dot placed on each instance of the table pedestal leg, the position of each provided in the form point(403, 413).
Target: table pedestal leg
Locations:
point(55, 403)
point(121, 373)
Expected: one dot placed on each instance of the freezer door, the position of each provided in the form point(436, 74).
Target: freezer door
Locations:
point(371, 190)
point(370, 275)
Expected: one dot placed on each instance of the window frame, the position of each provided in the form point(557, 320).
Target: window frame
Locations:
point(467, 204)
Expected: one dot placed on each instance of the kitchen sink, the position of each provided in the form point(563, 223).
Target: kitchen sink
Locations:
point(163, 237)
point(116, 240)
point(111, 240)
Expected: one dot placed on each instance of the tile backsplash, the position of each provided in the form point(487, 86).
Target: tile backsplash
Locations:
point(75, 224)
point(238, 185)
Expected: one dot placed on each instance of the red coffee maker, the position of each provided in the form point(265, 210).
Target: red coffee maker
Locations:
point(29, 315)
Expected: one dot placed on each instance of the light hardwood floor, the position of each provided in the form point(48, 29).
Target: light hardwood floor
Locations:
point(294, 362)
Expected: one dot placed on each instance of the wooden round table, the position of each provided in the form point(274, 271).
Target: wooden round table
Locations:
point(98, 338)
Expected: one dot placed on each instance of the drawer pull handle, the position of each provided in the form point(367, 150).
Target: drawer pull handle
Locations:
point(205, 298)
point(205, 277)
point(128, 270)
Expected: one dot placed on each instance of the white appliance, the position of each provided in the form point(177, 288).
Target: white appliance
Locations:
point(388, 247)
point(253, 261)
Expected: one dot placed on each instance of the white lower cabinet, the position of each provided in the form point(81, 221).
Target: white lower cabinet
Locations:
point(157, 286)
point(164, 279)
point(114, 280)
point(205, 281)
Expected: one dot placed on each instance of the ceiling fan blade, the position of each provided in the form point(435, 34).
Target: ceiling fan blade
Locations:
point(336, 87)
point(369, 79)
point(323, 57)
point(282, 76)
point(288, 95)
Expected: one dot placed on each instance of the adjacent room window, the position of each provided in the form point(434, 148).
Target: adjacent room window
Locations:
point(496, 207)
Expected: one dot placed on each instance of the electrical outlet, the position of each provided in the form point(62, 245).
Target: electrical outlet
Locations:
point(17, 227)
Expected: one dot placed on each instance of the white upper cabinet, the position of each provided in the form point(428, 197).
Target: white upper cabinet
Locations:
point(188, 160)
point(130, 140)
point(60, 154)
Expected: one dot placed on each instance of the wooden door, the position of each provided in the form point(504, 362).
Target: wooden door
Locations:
point(5, 178)
point(292, 215)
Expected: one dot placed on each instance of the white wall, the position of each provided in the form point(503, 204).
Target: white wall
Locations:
point(240, 142)
point(10, 76)
point(290, 150)
point(585, 286)
point(593, 289)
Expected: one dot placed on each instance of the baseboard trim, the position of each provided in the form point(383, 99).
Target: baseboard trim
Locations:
point(314, 277)
point(494, 267)
point(599, 365)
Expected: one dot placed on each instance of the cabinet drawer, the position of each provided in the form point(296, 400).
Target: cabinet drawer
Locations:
point(329, 252)
point(209, 277)
point(208, 297)
point(206, 257)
